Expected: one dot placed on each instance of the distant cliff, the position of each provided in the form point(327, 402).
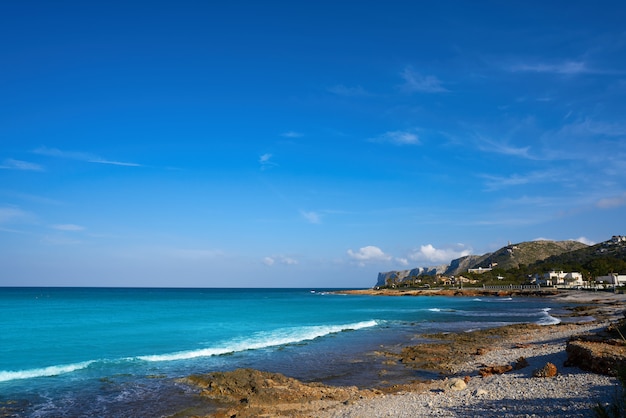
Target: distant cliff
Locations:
point(511, 256)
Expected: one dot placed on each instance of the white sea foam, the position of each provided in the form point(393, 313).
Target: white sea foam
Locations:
point(262, 340)
point(6, 376)
point(548, 319)
point(443, 310)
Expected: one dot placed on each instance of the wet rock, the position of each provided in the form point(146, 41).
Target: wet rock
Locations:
point(251, 392)
point(549, 370)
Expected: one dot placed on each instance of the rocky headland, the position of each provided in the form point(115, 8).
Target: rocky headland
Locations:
point(510, 256)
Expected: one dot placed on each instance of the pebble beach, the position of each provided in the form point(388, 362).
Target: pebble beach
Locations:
point(463, 390)
point(572, 393)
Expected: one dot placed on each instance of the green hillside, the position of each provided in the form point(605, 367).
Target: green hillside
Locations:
point(596, 260)
point(527, 253)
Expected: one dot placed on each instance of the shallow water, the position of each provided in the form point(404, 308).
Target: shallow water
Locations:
point(118, 352)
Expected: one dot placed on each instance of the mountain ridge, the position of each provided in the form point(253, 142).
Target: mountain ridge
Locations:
point(509, 256)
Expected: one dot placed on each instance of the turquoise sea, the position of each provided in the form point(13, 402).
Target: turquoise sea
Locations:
point(100, 352)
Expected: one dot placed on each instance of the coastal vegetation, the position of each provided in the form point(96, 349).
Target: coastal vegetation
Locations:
point(517, 265)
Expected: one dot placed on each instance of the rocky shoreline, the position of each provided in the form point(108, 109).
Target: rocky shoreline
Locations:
point(517, 370)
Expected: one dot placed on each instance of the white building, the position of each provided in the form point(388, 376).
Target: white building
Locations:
point(613, 278)
point(556, 278)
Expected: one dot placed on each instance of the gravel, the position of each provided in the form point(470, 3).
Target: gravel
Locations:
point(572, 393)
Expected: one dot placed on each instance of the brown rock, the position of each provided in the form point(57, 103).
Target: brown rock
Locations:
point(250, 392)
point(604, 357)
point(491, 370)
point(520, 363)
point(549, 370)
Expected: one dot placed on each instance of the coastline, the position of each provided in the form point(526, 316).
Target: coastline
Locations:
point(451, 292)
point(460, 390)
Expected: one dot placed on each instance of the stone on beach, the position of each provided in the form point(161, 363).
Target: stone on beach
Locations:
point(457, 384)
point(548, 370)
point(491, 370)
point(572, 392)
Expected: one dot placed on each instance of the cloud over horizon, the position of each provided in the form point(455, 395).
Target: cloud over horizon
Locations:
point(429, 254)
point(368, 254)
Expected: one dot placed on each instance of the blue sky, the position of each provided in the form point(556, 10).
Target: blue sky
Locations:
point(309, 143)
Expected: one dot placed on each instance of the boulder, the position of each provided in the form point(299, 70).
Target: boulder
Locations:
point(548, 370)
point(457, 384)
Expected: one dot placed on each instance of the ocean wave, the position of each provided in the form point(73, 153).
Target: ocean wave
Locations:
point(441, 310)
point(262, 340)
point(548, 319)
point(6, 376)
point(257, 341)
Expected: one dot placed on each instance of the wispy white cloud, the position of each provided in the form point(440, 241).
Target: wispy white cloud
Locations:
point(493, 182)
point(368, 254)
point(398, 138)
point(10, 214)
point(279, 259)
point(429, 254)
point(81, 156)
point(120, 163)
point(403, 261)
point(55, 152)
point(502, 147)
point(416, 82)
point(312, 217)
point(292, 134)
point(593, 128)
point(266, 161)
point(68, 227)
point(342, 90)
point(566, 67)
point(11, 164)
point(612, 202)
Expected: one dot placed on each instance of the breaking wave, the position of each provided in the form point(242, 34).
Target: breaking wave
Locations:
point(263, 340)
point(5, 376)
point(257, 341)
